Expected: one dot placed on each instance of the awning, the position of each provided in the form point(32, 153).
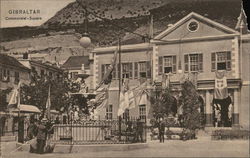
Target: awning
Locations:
point(28, 109)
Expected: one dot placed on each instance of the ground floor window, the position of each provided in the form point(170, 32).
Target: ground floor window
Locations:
point(142, 111)
point(109, 112)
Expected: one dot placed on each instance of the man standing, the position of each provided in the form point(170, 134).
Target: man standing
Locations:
point(139, 130)
point(161, 129)
point(41, 136)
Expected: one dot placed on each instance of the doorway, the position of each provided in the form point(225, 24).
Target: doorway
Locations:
point(221, 112)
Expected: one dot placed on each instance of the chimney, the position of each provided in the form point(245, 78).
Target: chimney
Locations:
point(83, 67)
point(25, 55)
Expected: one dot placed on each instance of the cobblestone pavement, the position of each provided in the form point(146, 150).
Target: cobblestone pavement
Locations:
point(172, 148)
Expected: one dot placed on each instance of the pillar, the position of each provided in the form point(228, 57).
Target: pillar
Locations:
point(236, 108)
point(208, 113)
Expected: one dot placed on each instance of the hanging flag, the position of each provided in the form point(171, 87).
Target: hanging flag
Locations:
point(131, 99)
point(124, 98)
point(143, 99)
point(101, 100)
point(151, 27)
point(15, 97)
point(220, 90)
point(48, 105)
point(108, 75)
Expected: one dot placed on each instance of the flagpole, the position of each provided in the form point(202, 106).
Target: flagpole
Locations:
point(119, 51)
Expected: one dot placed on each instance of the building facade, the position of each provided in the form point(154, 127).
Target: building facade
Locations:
point(195, 47)
point(11, 73)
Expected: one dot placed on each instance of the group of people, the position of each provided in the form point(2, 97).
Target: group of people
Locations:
point(37, 133)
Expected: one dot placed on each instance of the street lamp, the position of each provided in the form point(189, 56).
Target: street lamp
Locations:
point(85, 41)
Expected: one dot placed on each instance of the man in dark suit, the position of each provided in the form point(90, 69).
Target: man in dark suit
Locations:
point(161, 128)
point(41, 136)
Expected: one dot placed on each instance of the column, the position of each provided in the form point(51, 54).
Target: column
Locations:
point(236, 108)
point(208, 113)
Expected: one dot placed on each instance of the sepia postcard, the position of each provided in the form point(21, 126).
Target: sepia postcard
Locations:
point(124, 78)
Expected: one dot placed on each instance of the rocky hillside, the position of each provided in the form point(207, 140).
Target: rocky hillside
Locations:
point(118, 18)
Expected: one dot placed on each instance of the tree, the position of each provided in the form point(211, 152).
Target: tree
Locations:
point(36, 92)
point(161, 101)
point(189, 101)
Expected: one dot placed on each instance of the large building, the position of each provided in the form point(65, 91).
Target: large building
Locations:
point(194, 46)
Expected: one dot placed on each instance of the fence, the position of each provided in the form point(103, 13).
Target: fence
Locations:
point(100, 132)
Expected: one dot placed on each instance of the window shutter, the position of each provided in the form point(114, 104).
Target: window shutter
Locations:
point(213, 61)
point(136, 70)
point(174, 64)
point(160, 65)
point(186, 62)
point(102, 70)
point(148, 69)
point(131, 70)
point(1, 74)
point(200, 56)
point(114, 72)
point(228, 61)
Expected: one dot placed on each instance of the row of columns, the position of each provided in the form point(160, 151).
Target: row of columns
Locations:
point(209, 109)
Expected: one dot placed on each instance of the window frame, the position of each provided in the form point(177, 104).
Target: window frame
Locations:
point(109, 112)
point(6, 75)
point(198, 64)
point(227, 60)
point(142, 111)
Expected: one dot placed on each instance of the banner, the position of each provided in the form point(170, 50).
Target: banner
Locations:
point(124, 98)
point(15, 97)
point(48, 105)
point(220, 90)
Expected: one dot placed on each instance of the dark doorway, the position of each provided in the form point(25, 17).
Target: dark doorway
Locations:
point(221, 112)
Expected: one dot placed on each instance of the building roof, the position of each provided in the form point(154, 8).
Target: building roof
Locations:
point(130, 47)
point(76, 62)
point(11, 61)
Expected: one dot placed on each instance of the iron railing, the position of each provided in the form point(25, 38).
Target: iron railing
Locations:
point(100, 132)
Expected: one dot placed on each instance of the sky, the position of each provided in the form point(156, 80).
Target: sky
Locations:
point(47, 9)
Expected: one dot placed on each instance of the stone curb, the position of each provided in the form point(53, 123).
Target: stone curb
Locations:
point(59, 148)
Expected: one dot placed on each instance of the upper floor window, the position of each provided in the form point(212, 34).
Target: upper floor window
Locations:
point(109, 112)
point(50, 74)
point(167, 64)
point(6, 75)
point(142, 69)
point(221, 61)
point(104, 69)
point(193, 62)
point(17, 77)
point(127, 69)
point(73, 75)
point(125, 115)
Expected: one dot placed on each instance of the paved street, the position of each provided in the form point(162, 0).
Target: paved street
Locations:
point(173, 148)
